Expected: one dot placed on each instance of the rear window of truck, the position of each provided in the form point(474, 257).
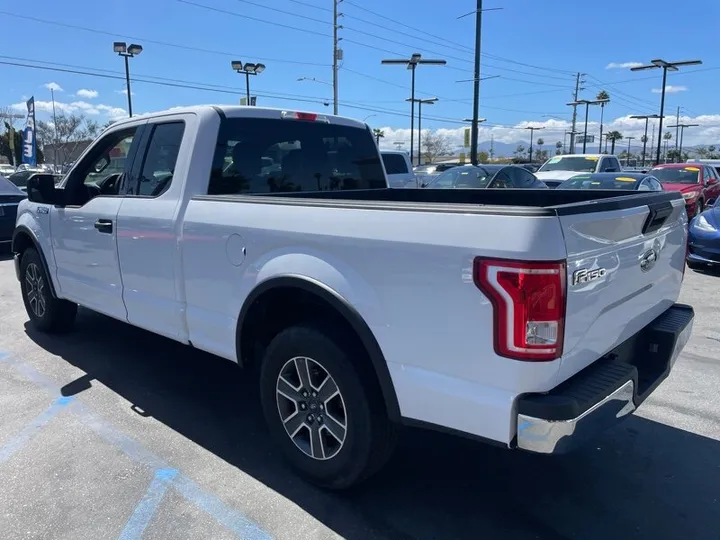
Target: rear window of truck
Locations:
point(395, 164)
point(258, 155)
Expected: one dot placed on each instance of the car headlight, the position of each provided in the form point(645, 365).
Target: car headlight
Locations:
point(690, 195)
point(703, 224)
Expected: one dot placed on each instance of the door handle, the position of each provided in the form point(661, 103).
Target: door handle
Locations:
point(104, 226)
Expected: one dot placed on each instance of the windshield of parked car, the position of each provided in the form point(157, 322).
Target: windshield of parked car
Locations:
point(462, 178)
point(395, 164)
point(21, 178)
point(574, 163)
point(594, 182)
point(677, 175)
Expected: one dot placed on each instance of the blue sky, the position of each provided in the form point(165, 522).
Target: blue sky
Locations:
point(534, 47)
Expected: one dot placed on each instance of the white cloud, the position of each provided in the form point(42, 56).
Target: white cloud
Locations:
point(76, 107)
point(670, 89)
point(87, 94)
point(124, 92)
point(708, 132)
point(55, 87)
point(623, 65)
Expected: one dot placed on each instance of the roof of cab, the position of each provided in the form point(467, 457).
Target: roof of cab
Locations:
point(240, 111)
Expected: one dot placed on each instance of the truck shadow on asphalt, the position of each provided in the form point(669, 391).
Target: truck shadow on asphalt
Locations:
point(641, 480)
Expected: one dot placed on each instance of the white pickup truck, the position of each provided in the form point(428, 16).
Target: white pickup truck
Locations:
point(528, 318)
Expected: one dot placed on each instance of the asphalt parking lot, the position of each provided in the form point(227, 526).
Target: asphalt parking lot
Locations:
point(111, 432)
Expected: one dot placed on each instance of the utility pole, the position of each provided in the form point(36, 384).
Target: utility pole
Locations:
point(476, 86)
point(677, 128)
point(576, 94)
point(55, 127)
point(492, 146)
point(337, 54)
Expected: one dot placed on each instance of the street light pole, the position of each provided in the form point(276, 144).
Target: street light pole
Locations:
point(412, 63)
point(247, 69)
point(532, 132)
point(127, 52)
point(665, 66)
point(627, 161)
point(682, 133)
point(428, 101)
point(645, 117)
point(587, 104)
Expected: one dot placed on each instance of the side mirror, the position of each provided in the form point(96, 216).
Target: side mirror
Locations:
point(712, 181)
point(41, 189)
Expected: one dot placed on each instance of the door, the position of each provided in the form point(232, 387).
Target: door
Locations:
point(712, 185)
point(148, 231)
point(84, 233)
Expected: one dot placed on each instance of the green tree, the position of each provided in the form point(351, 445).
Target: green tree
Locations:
point(519, 151)
point(540, 151)
point(483, 156)
point(558, 148)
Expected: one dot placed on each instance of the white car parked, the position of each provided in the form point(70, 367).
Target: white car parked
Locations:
point(398, 168)
point(567, 166)
point(527, 318)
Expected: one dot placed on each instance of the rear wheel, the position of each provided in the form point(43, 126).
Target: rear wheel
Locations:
point(47, 313)
point(322, 408)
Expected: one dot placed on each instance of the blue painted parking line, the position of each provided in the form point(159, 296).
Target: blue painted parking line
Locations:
point(146, 508)
point(232, 519)
point(27, 433)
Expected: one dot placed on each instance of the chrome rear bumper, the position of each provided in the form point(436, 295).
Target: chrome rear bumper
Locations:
point(605, 392)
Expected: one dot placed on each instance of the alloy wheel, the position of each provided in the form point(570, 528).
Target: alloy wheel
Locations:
point(311, 408)
point(35, 289)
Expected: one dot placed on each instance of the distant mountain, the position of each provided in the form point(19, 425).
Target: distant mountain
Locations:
point(499, 148)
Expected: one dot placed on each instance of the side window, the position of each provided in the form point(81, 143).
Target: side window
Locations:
point(445, 180)
point(394, 164)
point(656, 186)
point(501, 180)
point(102, 169)
point(645, 186)
point(158, 164)
point(107, 158)
point(522, 178)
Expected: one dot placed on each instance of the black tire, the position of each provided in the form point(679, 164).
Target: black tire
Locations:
point(369, 437)
point(47, 313)
point(695, 266)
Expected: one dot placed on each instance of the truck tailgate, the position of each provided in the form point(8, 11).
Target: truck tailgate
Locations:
point(624, 268)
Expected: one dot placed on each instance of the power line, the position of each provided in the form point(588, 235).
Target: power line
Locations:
point(307, 4)
point(256, 19)
point(278, 10)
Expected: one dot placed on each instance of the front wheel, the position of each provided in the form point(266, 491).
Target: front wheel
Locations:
point(322, 408)
point(47, 313)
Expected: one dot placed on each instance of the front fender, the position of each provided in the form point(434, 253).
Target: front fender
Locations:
point(32, 227)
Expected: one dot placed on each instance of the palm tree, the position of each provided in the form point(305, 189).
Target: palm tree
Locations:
point(602, 95)
point(379, 134)
point(540, 143)
point(558, 148)
point(614, 136)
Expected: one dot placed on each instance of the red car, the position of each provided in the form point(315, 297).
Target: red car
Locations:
point(698, 183)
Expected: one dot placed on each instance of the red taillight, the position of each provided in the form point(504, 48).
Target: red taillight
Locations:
point(308, 117)
point(528, 301)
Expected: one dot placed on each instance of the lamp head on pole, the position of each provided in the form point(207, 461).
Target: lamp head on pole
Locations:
point(237, 65)
point(134, 49)
point(119, 47)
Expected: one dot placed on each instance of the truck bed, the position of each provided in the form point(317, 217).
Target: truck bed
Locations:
point(535, 202)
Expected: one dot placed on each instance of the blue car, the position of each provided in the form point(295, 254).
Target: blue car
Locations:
point(704, 239)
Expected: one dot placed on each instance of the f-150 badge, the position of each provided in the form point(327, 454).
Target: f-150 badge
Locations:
point(586, 276)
